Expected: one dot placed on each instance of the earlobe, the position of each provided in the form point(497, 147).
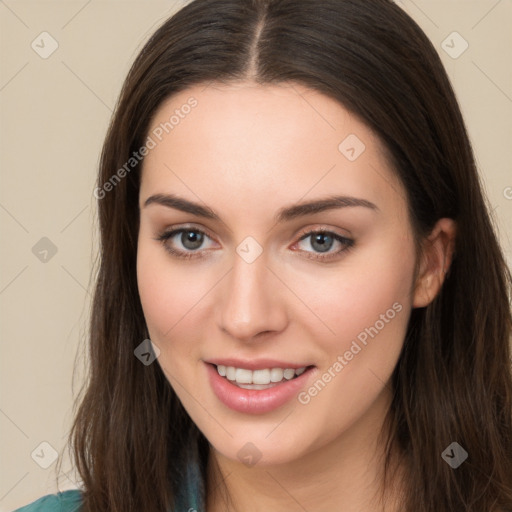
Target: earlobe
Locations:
point(436, 258)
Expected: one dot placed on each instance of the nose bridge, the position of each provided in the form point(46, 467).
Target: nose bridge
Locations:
point(249, 303)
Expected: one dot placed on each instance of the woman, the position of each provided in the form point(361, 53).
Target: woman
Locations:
point(301, 303)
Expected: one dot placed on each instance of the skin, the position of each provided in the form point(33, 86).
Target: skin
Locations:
point(246, 151)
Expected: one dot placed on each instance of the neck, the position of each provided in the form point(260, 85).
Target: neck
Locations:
point(344, 474)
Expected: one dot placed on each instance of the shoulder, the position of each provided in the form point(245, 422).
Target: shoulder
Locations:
point(66, 501)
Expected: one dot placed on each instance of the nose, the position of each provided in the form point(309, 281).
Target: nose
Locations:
point(251, 301)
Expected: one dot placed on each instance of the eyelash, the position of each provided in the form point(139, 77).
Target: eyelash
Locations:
point(346, 242)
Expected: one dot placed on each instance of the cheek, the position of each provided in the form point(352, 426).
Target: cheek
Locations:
point(169, 294)
point(367, 305)
point(368, 298)
point(172, 303)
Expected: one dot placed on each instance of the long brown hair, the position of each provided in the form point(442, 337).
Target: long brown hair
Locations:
point(453, 380)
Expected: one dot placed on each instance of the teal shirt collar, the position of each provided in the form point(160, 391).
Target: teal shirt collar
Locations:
point(190, 496)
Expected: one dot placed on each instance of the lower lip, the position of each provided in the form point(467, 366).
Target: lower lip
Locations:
point(255, 401)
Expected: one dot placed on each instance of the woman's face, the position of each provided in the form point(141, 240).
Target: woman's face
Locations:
point(235, 279)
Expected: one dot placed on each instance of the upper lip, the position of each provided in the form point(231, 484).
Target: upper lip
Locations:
point(255, 364)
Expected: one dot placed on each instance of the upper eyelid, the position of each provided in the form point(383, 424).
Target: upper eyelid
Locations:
point(180, 229)
point(299, 233)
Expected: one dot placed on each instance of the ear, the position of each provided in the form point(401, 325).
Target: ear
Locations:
point(436, 258)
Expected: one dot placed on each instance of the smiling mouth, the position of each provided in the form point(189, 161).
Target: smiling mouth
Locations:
point(258, 379)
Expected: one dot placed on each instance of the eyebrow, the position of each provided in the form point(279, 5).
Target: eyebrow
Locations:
point(284, 214)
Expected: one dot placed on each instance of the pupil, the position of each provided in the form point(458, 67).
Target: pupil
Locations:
point(191, 239)
point(323, 247)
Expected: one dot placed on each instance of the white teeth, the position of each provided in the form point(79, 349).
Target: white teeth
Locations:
point(289, 373)
point(243, 376)
point(263, 377)
point(276, 375)
point(230, 373)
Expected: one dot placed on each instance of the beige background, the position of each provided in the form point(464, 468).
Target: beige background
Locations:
point(54, 113)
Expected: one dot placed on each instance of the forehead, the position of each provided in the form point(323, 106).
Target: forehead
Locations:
point(265, 144)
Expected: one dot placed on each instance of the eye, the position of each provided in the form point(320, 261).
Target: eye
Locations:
point(323, 241)
point(190, 239)
point(188, 243)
